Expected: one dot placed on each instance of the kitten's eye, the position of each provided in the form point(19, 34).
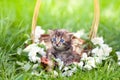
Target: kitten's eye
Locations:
point(62, 40)
point(54, 39)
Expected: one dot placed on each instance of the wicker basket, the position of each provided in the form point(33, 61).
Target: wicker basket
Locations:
point(94, 28)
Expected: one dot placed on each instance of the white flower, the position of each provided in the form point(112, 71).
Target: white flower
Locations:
point(60, 63)
point(55, 73)
point(118, 63)
point(118, 55)
point(84, 56)
point(98, 60)
point(19, 51)
point(42, 52)
point(79, 33)
point(91, 61)
point(33, 57)
point(67, 73)
point(97, 52)
point(34, 72)
point(74, 69)
point(65, 68)
point(33, 49)
point(103, 51)
point(97, 40)
point(27, 66)
point(38, 32)
point(88, 67)
point(30, 47)
point(80, 64)
point(106, 49)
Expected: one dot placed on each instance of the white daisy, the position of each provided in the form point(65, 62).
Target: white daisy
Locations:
point(32, 50)
point(84, 56)
point(60, 63)
point(106, 49)
point(19, 51)
point(88, 67)
point(30, 47)
point(118, 55)
point(91, 61)
point(79, 33)
point(98, 60)
point(97, 40)
point(80, 64)
point(42, 52)
point(38, 32)
point(65, 68)
point(33, 57)
point(55, 73)
point(34, 72)
point(97, 52)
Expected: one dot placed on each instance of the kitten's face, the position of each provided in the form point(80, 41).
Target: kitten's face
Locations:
point(60, 39)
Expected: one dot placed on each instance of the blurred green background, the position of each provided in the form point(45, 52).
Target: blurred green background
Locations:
point(69, 14)
point(73, 15)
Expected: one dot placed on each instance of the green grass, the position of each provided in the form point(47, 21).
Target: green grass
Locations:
point(15, 22)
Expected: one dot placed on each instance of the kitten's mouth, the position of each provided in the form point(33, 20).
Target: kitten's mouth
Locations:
point(58, 47)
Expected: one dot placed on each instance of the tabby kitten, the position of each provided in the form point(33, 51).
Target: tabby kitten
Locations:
point(61, 47)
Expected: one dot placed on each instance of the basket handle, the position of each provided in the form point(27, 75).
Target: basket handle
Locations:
point(95, 23)
point(34, 19)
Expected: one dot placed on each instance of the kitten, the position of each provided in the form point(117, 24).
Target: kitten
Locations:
point(61, 41)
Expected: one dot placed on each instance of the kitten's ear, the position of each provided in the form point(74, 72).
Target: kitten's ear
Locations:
point(70, 35)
